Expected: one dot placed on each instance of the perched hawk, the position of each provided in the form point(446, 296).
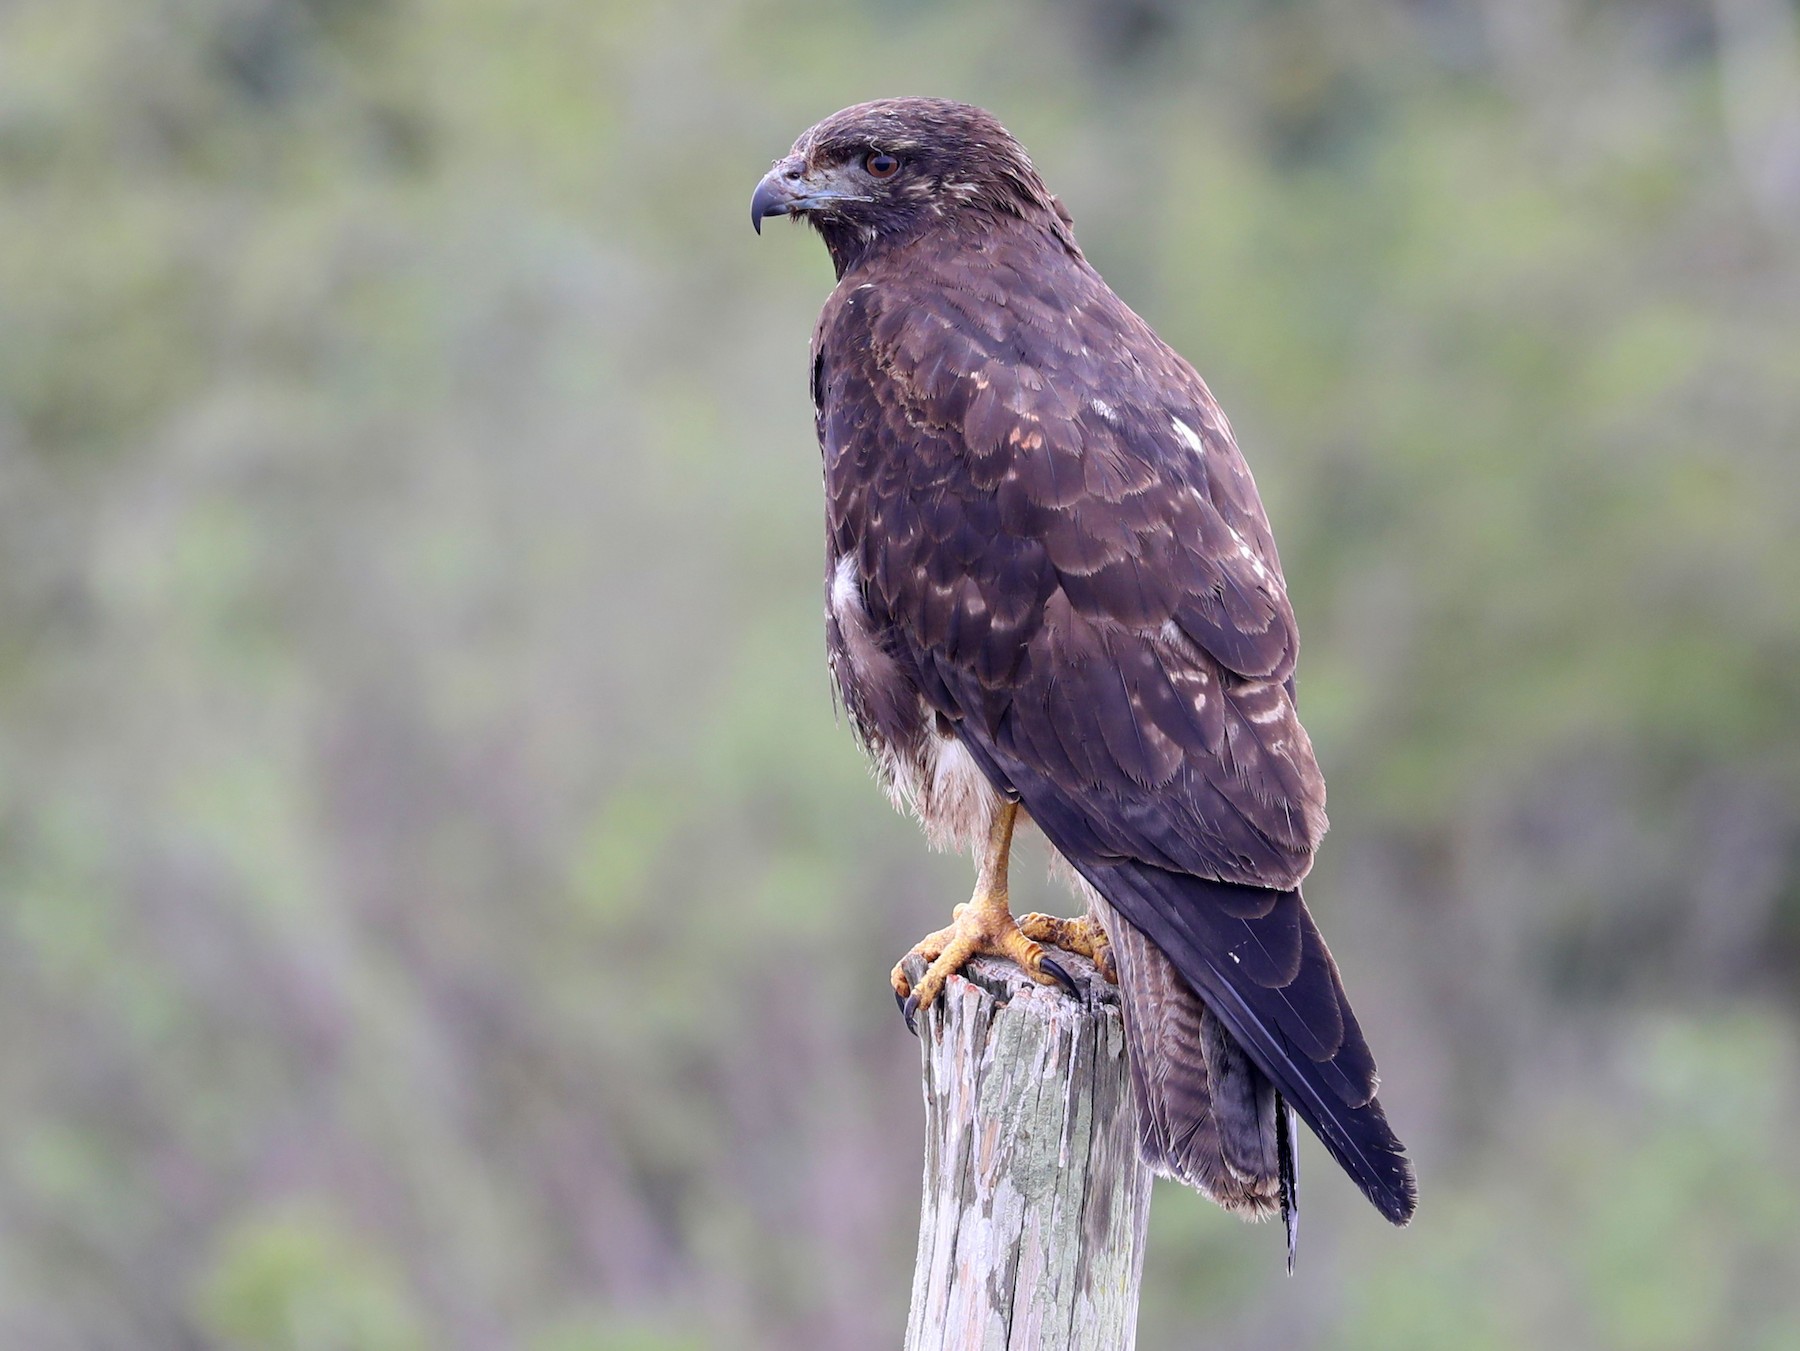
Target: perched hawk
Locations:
point(1052, 596)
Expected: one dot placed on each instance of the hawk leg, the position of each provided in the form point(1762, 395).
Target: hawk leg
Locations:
point(1083, 936)
point(983, 926)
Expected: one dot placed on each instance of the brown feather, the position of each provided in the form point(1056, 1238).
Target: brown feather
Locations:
point(1220, 1142)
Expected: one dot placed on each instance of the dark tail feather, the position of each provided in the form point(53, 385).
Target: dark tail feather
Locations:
point(1206, 1115)
point(1256, 959)
point(1287, 1158)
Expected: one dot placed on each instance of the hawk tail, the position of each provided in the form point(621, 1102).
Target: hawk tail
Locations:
point(1206, 1116)
point(1235, 1016)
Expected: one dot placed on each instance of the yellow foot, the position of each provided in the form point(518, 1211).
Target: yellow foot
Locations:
point(1081, 936)
point(983, 927)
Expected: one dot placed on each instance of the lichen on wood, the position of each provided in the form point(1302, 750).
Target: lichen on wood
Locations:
point(1031, 1231)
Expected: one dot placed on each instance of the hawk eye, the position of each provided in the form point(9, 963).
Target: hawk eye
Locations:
point(878, 165)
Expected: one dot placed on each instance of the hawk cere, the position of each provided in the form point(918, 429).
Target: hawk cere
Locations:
point(1053, 597)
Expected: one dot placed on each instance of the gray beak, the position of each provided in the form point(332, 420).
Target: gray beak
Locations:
point(783, 189)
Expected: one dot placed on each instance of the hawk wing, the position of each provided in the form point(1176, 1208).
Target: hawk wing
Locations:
point(1059, 538)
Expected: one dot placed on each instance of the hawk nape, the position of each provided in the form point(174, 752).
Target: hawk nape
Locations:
point(1052, 595)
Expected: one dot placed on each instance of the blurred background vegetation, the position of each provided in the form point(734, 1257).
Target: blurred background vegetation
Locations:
point(437, 908)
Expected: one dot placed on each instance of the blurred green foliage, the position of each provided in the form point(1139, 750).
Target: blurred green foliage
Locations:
point(437, 907)
point(301, 1282)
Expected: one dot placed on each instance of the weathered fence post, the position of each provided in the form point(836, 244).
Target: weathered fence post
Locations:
point(1031, 1234)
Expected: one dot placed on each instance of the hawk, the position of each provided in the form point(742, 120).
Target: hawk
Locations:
point(1052, 597)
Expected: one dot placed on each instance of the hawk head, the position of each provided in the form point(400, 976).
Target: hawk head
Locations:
point(880, 173)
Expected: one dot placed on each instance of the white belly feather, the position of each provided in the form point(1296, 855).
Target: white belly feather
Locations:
point(928, 772)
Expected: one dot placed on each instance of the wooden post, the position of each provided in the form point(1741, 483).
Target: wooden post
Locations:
point(1031, 1234)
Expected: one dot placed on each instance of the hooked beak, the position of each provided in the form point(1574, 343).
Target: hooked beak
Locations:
point(788, 190)
point(776, 195)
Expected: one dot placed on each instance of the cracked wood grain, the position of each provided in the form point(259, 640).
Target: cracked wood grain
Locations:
point(1031, 1231)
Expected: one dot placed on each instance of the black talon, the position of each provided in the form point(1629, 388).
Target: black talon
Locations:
point(1063, 978)
point(908, 1009)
